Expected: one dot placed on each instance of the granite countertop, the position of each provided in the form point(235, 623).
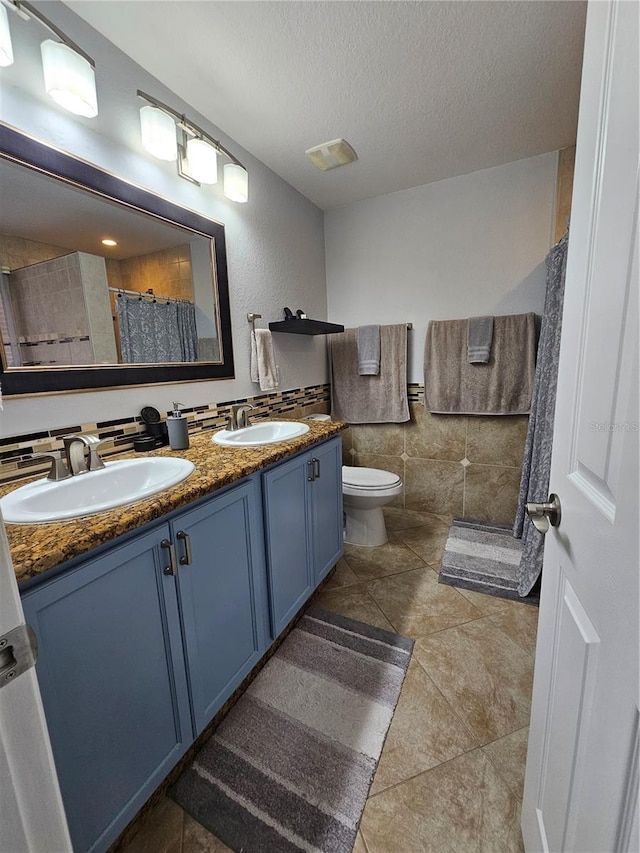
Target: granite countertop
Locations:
point(35, 548)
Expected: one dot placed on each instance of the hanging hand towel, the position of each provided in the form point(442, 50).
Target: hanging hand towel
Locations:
point(263, 363)
point(479, 338)
point(368, 350)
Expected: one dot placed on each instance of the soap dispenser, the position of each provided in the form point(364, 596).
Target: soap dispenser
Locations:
point(177, 428)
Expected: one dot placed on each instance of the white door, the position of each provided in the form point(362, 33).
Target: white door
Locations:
point(32, 817)
point(581, 790)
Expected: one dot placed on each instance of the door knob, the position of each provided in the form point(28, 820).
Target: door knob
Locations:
point(545, 514)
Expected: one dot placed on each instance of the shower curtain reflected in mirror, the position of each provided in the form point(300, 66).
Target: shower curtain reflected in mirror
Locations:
point(156, 332)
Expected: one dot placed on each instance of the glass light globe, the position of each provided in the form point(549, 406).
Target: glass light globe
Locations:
point(69, 79)
point(203, 161)
point(158, 133)
point(236, 182)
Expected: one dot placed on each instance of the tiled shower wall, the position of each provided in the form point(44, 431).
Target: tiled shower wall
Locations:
point(450, 464)
point(50, 312)
point(167, 272)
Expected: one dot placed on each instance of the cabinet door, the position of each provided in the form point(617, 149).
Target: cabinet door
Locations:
point(113, 683)
point(222, 589)
point(289, 558)
point(326, 508)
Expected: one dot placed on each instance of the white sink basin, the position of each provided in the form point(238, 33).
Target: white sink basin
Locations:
point(267, 432)
point(119, 483)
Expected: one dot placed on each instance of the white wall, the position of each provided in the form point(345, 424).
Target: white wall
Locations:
point(275, 249)
point(463, 247)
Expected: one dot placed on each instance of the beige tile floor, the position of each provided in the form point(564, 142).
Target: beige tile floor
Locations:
point(451, 773)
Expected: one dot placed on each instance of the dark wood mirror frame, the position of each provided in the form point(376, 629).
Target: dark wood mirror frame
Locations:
point(25, 150)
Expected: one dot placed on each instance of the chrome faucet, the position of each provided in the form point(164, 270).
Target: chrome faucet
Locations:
point(238, 419)
point(75, 447)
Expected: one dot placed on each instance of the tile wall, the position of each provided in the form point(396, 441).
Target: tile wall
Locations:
point(48, 296)
point(450, 464)
point(167, 273)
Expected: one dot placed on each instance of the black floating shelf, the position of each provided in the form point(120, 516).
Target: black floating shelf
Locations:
point(306, 327)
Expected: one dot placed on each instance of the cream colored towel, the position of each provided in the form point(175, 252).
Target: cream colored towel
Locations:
point(501, 387)
point(263, 363)
point(369, 399)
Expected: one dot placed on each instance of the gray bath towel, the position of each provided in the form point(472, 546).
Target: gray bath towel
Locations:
point(368, 350)
point(377, 399)
point(500, 387)
point(479, 338)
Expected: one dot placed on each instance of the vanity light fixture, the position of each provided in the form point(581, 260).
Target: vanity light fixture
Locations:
point(203, 161)
point(236, 182)
point(197, 152)
point(69, 76)
point(6, 48)
point(158, 131)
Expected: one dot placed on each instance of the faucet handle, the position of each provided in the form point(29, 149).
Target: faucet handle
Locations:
point(93, 443)
point(59, 469)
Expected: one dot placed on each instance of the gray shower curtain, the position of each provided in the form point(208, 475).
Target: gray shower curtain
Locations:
point(536, 469)
point(156, 332)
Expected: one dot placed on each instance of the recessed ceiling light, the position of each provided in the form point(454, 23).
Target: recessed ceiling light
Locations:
point(109, 242)
point(330, 155)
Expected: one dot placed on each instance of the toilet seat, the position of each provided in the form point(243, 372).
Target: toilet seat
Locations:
point(369, 479)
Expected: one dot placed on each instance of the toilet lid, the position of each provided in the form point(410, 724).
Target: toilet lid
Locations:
point(368, 478)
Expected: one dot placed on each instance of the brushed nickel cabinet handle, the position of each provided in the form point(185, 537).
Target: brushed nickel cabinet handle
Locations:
point(172, 568)
point(187, 557)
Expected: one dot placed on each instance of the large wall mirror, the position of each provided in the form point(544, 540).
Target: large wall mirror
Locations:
point(151, 305)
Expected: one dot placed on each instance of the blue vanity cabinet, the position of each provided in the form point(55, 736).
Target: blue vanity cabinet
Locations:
point(113, 682)
point(137, 652)
point(222, 592)
point(303, 527)
point(141, 644)
point(326, 508)
point(287, 534)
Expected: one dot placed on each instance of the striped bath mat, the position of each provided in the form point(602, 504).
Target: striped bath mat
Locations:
point(483, 557)
point(289, 768)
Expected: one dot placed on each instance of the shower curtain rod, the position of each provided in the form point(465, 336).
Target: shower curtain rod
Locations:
point(149, 294)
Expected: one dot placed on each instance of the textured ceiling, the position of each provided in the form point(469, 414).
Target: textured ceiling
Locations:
point(422, 90)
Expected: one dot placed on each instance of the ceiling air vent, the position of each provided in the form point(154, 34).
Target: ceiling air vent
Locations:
point(332, 154)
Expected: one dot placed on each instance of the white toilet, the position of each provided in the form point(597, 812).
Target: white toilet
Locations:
point(365, 491)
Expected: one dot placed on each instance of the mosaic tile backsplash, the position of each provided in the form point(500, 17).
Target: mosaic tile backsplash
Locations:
point(451, 464)
point(118, 434)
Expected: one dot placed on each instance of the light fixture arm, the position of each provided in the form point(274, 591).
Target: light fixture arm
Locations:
point(26, 10)
point(189, 126)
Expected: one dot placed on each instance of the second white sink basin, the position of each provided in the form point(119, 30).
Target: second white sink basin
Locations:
point(118, 483)
point(266, 432)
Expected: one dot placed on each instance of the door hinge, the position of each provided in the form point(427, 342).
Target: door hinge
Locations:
point(18, 653)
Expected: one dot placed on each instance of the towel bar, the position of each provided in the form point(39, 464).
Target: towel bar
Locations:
point(251, 318)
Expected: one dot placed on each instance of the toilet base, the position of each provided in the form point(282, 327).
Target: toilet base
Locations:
point(365, 527)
